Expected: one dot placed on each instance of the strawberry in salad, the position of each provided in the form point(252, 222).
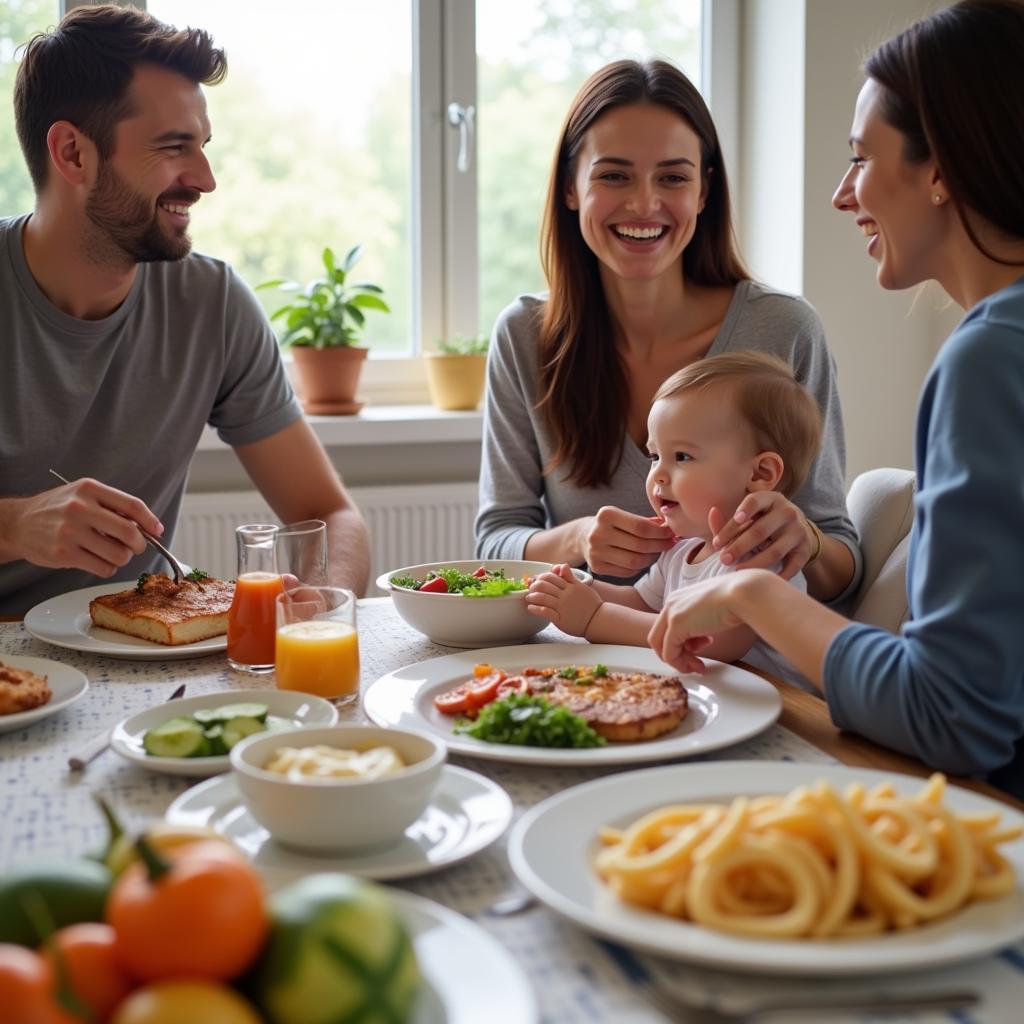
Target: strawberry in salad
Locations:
point(482, 582)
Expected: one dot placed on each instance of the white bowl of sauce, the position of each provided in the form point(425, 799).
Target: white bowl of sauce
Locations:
point(339, 788)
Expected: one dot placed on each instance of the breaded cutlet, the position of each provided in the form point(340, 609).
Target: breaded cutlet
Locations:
point(22, 690)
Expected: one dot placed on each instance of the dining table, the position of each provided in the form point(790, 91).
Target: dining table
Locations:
point(47, 813)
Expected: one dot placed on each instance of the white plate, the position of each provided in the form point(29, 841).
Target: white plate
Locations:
point(66, 683)
point(467, 813)
point(470, 977)
point(64, 622)
point(553, 846)
point(285, 708)
point(727, 704)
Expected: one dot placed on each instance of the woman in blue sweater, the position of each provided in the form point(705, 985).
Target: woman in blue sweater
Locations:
point(934, 183)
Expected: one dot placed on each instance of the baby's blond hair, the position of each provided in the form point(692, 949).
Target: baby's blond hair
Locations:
point(781, 412)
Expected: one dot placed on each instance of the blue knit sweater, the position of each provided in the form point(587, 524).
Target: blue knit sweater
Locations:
point(950, 689)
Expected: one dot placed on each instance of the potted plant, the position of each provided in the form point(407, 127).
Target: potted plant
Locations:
point(323, 326)
point(456, 372)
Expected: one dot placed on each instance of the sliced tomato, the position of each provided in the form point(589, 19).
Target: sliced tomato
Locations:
point(483, 691)
point(515, 685)
point(453, 702)
point(435, 586)
point(480, 573)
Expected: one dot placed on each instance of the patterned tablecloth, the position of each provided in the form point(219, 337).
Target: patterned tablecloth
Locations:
point(46, 811)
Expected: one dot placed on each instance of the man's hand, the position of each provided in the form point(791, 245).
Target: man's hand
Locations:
point(619, 543)
point(82, 525)
point(562, 599)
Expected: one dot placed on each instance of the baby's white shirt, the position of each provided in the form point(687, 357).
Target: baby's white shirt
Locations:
point(674, 570)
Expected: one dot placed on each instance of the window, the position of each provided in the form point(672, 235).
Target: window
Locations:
point(19, 21)
point(312, 130)
point(531, 57)
point(332, 128)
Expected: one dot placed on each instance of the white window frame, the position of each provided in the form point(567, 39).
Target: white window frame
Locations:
point(444, 200)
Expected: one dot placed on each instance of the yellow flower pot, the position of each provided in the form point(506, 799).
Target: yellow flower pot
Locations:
point(455, 381)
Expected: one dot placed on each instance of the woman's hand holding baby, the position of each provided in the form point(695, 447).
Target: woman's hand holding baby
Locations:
point(766, 530)
point(619, 543)
point(561, 598)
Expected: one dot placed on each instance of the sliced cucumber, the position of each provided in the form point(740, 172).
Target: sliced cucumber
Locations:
point(224, 713)
point(177, 737)
point(238, 728)
point(215, 737)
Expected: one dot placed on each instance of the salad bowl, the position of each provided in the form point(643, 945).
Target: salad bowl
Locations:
point(479, 603)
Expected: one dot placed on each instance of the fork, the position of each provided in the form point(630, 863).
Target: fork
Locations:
point(677, 1009)
point(94, 747)
point(176, 568)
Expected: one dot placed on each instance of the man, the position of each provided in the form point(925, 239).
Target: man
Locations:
point(117, 345)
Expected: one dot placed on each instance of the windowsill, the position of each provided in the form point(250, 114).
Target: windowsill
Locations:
point(383, 424)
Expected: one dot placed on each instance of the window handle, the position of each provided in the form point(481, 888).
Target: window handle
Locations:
point(462, 118)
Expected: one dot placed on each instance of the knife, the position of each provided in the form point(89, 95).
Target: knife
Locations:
point(95, 746)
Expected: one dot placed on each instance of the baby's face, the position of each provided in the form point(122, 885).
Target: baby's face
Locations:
point(702, 456)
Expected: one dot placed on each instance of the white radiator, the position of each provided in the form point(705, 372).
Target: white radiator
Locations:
point(408, 525)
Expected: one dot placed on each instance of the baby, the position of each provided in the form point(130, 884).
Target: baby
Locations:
point(719, 429)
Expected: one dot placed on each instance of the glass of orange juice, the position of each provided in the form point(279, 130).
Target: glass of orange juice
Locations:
point(252, 617)
point(317, 645)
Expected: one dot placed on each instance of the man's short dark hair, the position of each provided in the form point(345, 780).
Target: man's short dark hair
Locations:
point(81, 70)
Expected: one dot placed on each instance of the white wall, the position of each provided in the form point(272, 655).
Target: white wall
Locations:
point(801, 73)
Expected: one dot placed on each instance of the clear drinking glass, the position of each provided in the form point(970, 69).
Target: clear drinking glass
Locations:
point(301, 551)
point(317, 643)
point(251, 620)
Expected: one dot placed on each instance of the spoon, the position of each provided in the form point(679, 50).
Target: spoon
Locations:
point(174, 563)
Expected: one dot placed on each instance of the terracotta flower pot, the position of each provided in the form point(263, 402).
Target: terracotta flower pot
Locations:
point(328, 379)
point(456, 381)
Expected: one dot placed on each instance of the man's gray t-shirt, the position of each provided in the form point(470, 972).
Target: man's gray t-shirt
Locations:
point(125, 399)
point(517, 499)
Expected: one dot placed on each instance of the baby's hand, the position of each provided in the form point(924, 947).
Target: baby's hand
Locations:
point(562, 599)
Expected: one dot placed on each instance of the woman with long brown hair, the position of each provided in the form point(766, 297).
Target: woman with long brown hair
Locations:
point(934, 184)
point(644, 278)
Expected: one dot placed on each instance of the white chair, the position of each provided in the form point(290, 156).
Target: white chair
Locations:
point(881, 504)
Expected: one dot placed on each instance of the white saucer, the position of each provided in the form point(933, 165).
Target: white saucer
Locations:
point(467, 814)
point(66, 684)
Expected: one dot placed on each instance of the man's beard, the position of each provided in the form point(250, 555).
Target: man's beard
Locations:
point(130, 224)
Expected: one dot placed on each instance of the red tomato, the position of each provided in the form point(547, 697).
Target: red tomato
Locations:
point(28, 988)
point(453, 702)
point(480, 573)
point(513, 686)
point(484, 690)
point(435, 586)
point(95, 974)
point(204, 918)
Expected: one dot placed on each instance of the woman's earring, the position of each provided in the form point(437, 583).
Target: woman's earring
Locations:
point(937, 198)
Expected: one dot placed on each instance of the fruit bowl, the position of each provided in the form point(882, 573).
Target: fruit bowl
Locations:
point(455, 620)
